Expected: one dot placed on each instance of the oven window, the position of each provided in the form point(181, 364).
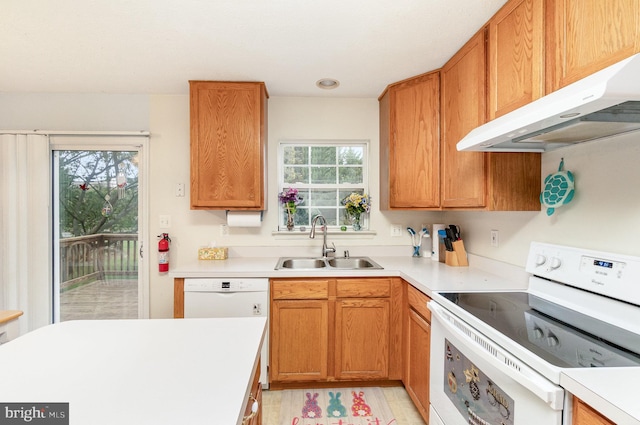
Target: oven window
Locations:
point(473, 393)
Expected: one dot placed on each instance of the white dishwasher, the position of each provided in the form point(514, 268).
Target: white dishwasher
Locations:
point(208, 297)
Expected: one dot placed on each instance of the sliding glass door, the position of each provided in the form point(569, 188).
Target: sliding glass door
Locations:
point(97, 220)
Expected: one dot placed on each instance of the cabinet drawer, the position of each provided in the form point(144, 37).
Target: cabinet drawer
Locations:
point(418, 301)
point(300, 289)
point(363, 288)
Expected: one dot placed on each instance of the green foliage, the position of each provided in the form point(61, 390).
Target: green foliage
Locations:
point(96, 171)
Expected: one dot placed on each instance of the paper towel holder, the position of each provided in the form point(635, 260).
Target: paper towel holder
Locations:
point(241, 212)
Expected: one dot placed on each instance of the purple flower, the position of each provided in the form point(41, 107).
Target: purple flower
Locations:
point(290, 199)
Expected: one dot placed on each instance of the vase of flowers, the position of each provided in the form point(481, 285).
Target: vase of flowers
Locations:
point(356, 204)
point(290, 199)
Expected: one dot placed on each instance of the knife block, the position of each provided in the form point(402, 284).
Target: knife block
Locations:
point(457, 257)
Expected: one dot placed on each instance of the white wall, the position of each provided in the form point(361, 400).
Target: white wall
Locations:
point(604, 214)
point(74, 112)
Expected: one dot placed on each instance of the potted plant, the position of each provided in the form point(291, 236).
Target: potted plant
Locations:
point(289, 199)
point(356, 204)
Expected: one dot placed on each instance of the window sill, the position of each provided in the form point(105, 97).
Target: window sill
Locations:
point(333, 234)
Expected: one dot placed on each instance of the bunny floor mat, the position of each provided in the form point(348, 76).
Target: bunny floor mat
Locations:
point(341, 406)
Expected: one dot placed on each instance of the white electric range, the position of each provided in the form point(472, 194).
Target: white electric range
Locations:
point(497, 357)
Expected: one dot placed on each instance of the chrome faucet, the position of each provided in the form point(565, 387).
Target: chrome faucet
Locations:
point(325, 249)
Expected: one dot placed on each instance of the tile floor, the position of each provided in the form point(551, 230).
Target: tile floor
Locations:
point(398, 399)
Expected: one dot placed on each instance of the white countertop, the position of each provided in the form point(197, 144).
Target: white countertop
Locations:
point(611, 391)
point(164, 371)
point(423, 273)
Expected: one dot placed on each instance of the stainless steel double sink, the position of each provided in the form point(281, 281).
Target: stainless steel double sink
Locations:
point(329, 263)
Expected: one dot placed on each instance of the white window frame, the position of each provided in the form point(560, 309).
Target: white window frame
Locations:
point(364, 144)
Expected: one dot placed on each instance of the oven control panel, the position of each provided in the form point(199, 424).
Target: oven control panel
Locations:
point(610, 274)
point(576, 349)
point(598, 266)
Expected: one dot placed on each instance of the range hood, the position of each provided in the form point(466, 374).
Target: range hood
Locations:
point(603, 104)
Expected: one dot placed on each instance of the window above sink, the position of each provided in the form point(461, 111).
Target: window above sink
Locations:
point(324, 173)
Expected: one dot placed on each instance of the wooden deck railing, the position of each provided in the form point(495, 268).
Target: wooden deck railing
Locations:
point(97, 257)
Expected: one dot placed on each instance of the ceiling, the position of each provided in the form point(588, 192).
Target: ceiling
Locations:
point(156, 46)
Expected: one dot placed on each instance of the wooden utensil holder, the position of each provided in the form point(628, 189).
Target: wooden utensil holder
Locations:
point(457, 257)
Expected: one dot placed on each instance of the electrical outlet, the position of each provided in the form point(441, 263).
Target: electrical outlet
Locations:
point(396, 230)
point(165, 221)
point(224, 230)
point(180, 190)
point(494, 238)
point(257, 309)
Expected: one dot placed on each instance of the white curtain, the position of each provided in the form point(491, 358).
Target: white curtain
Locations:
point(25, 228)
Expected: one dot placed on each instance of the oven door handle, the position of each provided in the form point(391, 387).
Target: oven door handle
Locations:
point(498, 358)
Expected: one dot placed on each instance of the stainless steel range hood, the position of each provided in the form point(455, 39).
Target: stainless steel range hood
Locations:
point(603, 104)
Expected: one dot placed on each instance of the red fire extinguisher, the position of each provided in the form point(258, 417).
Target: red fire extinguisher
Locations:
point(163, 253)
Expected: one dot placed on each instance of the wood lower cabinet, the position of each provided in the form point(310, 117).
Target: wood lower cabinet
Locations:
point(300, 343)
point(250, 417)
point(228, 145)
point(362, 339)
point(418, 340)
point(586, 36)
point(336, 330)
point(299, 329)
point(583, 414)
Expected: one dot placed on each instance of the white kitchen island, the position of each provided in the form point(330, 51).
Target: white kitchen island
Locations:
point(167, 371)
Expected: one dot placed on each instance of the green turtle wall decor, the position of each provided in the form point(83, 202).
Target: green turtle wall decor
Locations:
point(558, 189)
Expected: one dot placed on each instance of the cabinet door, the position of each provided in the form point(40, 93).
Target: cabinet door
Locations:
point(516, 61)
point(362, 339)
point(228, 122)
point(414, 153)
point(418, 352)
point(586, 36)
point(584, 414)
point(299, 340)
point(463, 109)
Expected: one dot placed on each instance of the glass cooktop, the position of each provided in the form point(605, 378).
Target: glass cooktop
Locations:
point(561, 336)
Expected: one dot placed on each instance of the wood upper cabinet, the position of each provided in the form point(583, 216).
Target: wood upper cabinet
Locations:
point(586, 36)
point(228, 148)
point(410, 144)
point(418, 351)
point(583, 414)
point(516, 56)
point(478, 180)
point(463, 109)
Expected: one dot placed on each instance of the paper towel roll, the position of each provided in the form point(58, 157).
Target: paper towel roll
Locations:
point(244, 218)
point(436, 240)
